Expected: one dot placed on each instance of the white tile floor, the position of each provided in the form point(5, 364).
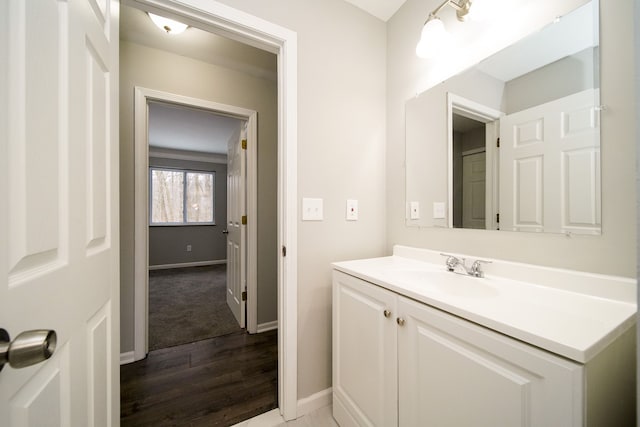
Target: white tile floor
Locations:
point(319, 418)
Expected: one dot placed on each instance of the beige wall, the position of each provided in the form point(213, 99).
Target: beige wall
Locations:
point(614, 252)
point(154, 69)
point(341, 149)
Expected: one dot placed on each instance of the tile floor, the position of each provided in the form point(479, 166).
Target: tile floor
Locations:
point(319, 418)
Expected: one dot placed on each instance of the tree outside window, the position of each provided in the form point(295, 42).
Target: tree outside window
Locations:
point(180, 197)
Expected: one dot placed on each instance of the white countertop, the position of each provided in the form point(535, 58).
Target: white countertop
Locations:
point(559, 319)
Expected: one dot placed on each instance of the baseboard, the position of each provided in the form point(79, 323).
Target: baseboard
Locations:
point(187, 264)
point(127, 357)
point(267, 326)
point(314, 402)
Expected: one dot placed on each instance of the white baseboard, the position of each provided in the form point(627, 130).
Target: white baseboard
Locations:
point(127, 357)
point(268, 326)
point(187, 264)
point(315, 401)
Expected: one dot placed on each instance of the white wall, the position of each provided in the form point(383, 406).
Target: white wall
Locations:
point(614, 252)
point(341, 150)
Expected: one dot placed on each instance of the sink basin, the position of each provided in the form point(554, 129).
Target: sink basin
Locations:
point(445, 282)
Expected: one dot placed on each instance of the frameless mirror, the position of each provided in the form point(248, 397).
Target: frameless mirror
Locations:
point(514, 142)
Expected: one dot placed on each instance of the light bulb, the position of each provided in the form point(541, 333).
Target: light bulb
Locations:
point(168, 25)
point(433, 39)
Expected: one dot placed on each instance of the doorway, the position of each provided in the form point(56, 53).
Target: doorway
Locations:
point(282, 42)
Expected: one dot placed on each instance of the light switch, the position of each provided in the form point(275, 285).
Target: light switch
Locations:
point(311, 209)
point(414, 210)
point(438, 210)
point(352, 210)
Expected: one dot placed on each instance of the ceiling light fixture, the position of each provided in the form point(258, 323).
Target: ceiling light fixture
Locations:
point(168, 25)
point(434, 36)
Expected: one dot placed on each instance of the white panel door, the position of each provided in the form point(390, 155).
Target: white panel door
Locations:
point(364, 353)
point(452, 372)
point(236, 230)
point(59, 211)
point(474, 190)
point(550, 167)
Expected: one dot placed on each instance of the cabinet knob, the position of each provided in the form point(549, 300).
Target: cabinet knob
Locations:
point(387, 313)
point(400, 321)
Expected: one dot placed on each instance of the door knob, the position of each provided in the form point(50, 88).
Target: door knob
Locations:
point(225, 231)
point(28, 348)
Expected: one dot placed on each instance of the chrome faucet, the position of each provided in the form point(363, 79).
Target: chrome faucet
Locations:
point(475, 270)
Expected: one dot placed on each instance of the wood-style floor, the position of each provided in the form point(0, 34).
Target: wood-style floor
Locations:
point(215, 382)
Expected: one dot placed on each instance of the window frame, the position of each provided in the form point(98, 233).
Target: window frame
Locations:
point(184, 172)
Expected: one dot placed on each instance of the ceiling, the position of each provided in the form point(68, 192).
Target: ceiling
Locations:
point(382, 9)
point(190, 129)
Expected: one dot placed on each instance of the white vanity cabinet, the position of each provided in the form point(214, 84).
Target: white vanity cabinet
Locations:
point(400, 362)
point(452, 372)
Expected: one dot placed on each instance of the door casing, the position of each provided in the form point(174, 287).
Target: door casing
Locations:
point(218, 18)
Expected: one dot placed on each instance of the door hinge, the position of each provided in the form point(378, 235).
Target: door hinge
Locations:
point(497, 217)
point(284, 251)
point(244, 220)
point(498, 142)
point(244, 144)
point(244, 295)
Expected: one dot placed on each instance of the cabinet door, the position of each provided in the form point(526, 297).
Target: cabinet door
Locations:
point(364, 353)
point(455, 373)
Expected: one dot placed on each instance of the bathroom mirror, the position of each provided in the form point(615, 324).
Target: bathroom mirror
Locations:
point(513, 143)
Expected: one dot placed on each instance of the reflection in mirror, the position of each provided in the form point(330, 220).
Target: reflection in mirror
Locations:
point(516, 139)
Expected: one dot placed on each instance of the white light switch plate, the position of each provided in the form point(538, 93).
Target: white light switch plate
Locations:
point(352, 210)
point(414, 210)
point(438, 210)
point(311, 209)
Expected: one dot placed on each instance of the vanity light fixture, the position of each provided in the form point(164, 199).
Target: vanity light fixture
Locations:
point(168, 25)
point(434, 36)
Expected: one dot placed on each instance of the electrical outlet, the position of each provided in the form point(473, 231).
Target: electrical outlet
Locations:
point(414, 210)
point(188, 248)
point(352, 210)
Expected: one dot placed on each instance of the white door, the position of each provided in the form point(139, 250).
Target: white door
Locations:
point(236, 225)
point(550, 167)
point(473, 190)
point(59, 212)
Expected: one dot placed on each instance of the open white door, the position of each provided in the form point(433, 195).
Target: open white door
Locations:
point(59, 216)
point(550, 167)
point(236, 226)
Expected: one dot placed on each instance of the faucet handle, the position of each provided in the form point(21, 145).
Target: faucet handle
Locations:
point(452, 261)
point(476, 267)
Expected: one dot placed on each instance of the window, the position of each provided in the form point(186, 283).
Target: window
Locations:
point(181, 197)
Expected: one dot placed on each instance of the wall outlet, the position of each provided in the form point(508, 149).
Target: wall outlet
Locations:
point(414, 210)
point(352, 210)
point(311, 209)
point(188, 248)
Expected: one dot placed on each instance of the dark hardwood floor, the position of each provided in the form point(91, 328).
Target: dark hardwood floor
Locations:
point(215, 382)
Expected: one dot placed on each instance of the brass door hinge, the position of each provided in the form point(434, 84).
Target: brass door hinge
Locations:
point(244, 144)
point(244, 295)
point(244, 220)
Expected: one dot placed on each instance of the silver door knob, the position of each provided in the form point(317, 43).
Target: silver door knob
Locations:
point(28, 348)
